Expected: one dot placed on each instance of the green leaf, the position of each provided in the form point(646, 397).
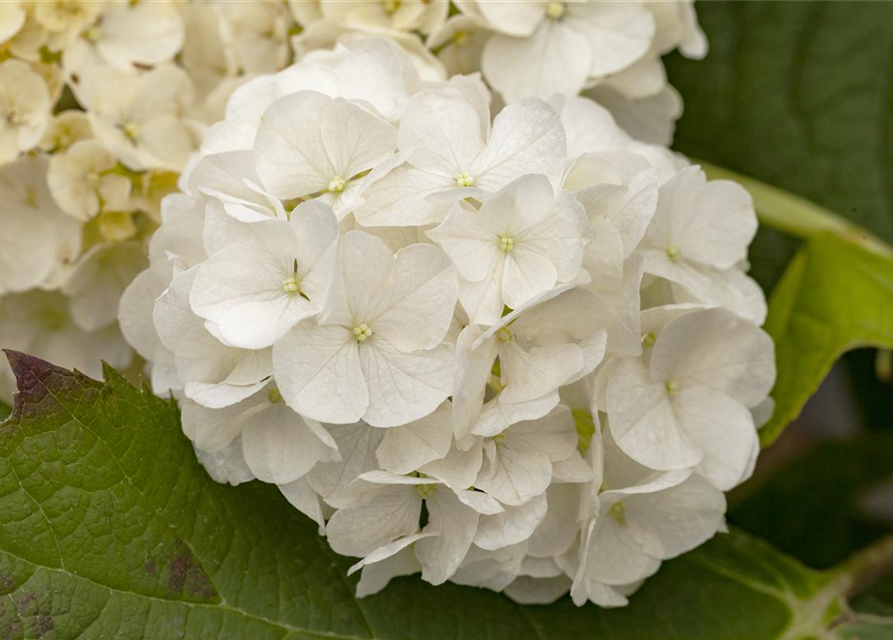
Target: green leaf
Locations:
point(821, 507)
point(866, 627)
point(877, 599)
point(799, 95)
point(110, 528)
point(834, 296)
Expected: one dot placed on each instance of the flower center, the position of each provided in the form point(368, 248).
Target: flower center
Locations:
point(506, 244)
point(648, 340)
point(425, 490)
point(505, 335)
point(555, 10)
point(618, 513)
point(337, 184)
point(274, 396)
point(362, 332)
point(132, 130)
point(291, 285)
point(93, 34)
point(390, 6)
point(672, 252)
point(464, 180)
point(92, 179)
point(673, 387)
point(460, 37)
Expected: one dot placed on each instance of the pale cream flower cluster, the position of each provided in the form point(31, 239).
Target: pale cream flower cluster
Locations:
point(101, 106)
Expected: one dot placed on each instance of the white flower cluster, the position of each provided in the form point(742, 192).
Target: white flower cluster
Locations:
point(517, 352)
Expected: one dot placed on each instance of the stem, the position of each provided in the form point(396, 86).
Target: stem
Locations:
point(795, 215)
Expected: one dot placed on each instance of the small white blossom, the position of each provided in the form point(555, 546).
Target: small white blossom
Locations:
point(98, 280)
point(141, 118)
point(24, 109)
point(322, 154)
point(65, 128)
point(518, 461)
point(699, 236)
point(373, 356)
point(686, 405)
point(523, 241)
point(39, 240)
point(386, 507)
point(632, 529)
point(459, 43)
point(137, 35)
point(447, 137)
point(278, 445)
point(83, 180)
point(549, 47)
point(290, 269)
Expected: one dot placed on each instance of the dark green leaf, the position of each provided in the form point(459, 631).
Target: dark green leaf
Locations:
point(865, 627)
point(110, 528)
point(873, 386)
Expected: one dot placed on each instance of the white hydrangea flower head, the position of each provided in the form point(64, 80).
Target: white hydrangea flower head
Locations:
point(499, 349)
point(501, 346)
